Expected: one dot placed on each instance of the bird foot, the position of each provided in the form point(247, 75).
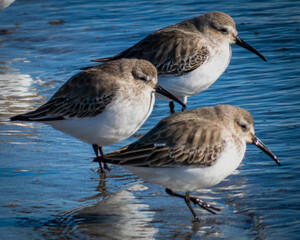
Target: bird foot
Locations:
point(196, 220)
point(102, 168)
point(205, 205)
point(106, 167)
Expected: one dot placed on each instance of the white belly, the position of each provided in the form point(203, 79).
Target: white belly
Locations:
point(199, 79)
point(117, 122)
point(192, 178)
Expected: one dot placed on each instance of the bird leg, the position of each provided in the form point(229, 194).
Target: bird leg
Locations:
point(196, 201)
point(172, 107)
point(98, 149)
point(105, 164)
point(187, 200)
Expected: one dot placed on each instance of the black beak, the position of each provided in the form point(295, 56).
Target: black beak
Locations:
point(243, 44)
point(264, 148)
point(164, 92)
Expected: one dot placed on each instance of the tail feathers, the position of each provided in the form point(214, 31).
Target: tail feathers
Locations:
point(106, 59)
point(148, 155)
point(25, 117)
point(86, 68)
point(20, 118)
point(107, 158)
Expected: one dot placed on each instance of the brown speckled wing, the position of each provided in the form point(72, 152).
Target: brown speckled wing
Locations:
point(173, 52)
point(79, 97)
point(186, 143)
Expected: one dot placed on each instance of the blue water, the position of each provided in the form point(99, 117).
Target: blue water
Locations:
point(48, 186)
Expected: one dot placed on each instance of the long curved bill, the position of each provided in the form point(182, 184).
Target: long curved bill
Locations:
point(263, 147)
point(165, 93)
point(245, 45)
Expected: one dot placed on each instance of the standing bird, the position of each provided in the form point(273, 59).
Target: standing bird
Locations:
point(190, 55)
point(104, 104)
point(191, 150)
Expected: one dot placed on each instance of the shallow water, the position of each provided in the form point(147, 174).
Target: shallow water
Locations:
point(48, 186)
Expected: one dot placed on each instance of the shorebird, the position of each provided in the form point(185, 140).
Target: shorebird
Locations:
point(191, 150)
point(104, 104)
point(190, 55)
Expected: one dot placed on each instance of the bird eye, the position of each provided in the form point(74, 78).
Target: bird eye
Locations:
point(244, 127)
point(144, 78)
point(223, 30)
point(140, 76)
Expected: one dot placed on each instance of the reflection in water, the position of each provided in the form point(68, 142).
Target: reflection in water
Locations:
point(101, 188)
point(118, 216)
point(17, 95)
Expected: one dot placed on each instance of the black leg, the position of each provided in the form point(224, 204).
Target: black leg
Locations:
point(105, 164)
point(188, 203)
point(195, 200)
point(95, 147)
point(96, 150)
point(172, 107)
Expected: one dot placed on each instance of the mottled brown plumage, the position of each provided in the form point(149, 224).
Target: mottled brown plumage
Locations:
point(191, 150)
point(190, 55)
point(182, 47)
point(158, 48)
point(104, 104)
point(176, 49)
point(87, 93)
point(193, 138)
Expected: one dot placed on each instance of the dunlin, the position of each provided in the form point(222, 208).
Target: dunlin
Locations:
point(190, 55)
point(104, 104)
point(191, 150)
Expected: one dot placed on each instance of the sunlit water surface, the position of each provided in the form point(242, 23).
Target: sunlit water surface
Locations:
point(49, 189)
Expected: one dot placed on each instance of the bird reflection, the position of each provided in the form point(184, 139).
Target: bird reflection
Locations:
point(101, 189)
point(117, 216)
point(18, 94)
